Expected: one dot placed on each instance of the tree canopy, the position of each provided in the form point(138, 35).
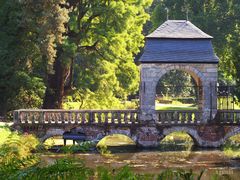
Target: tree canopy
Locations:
point(85, 50)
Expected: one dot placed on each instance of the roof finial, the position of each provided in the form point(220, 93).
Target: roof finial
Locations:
point(187, 13)
point(167, 12)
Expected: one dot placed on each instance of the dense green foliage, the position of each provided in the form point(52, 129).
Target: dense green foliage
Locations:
point(217, 18)
point(176, 84)
point(83, 51)
point(20, 86)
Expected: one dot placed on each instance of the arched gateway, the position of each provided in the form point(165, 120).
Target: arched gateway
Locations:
point(175, 45)
point(178, 45)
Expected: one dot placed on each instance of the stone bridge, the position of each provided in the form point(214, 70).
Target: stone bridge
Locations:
point(97, 124)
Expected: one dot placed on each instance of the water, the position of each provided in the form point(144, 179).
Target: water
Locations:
point(155, 161)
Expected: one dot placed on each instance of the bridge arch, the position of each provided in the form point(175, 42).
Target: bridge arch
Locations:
point(120, 131)
point(233, 132)
point(190, 131)
point(51, 133)
point(116, 140)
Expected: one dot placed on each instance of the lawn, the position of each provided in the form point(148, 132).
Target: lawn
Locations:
point(160, 106)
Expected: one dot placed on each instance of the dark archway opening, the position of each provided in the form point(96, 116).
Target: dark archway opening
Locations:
point(178, 90)
point(177, 141)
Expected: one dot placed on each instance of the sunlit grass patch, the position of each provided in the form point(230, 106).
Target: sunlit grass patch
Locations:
point(160, 106)
point(232, 146)
point(177, 137)
point(116, 140)
point(57, 141)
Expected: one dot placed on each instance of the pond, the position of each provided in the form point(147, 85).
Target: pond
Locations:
point(155, 161)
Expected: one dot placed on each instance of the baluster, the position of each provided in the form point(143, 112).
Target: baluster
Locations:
point(38, 114)
point(20, 119)
point(83, 121)
point(197, 117)
point(112, 118)
point(225, 119)
point(119, 118)
point(24, 117)
point(184, 117)
point(190, 117)
point(41, 118)
point(91, 118)
point(106, 118)
point(169, 117)
point(31, 117)
point(159, 117)
point(48, 118)
point(237, 117)
point(70, 117)
point(164, 117)
point(125, 119)
point(76, 121)
point(221, 117)
point(100, 118)
point(175, 117)
point(63, 117)
point(231, 117)
point(179, 117)
point(131, 118)
point(161, 114)
point(137, 117)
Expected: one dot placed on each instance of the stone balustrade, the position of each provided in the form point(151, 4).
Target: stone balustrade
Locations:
point(28, 116)
point(168, 117)
point(164, 117)
point(228, 116)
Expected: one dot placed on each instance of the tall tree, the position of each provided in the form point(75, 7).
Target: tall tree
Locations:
point(99, 33)
point(20, 84)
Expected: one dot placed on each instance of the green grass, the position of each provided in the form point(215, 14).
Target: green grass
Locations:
point(175, 107)
point(116, 140)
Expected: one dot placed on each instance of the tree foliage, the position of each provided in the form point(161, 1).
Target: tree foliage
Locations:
point(220, 19)
point(19, 56)
point(66, 47)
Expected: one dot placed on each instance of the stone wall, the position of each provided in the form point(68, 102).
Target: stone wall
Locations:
point(145, 135)
point(204, 75)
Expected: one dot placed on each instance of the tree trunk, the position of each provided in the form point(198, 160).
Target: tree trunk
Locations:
point(55, 86)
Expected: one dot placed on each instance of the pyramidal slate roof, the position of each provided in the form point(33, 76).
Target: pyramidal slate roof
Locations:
point(178, 29)
point(178, 41)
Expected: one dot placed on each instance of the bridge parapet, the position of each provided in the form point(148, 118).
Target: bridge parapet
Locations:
point(175, 117)
point(46, 116)
point(98, 123)
point(228, 117)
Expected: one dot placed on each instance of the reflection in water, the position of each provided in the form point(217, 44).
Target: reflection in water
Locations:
point(212, 161)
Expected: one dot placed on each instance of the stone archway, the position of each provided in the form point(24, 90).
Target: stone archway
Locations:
point(190, 131)
point(51, 133)
point(204, 75)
